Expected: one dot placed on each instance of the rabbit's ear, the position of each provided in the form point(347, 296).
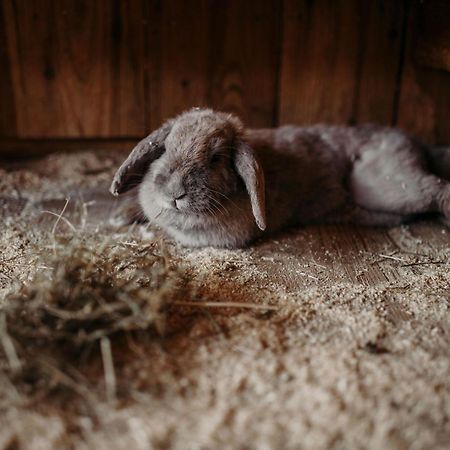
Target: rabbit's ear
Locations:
point(250, 170)
point(133, 169)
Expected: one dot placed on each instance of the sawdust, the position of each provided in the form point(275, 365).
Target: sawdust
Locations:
point(354, 355)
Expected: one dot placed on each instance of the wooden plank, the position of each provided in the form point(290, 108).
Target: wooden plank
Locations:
point(7, 111)
point(244, 55)
point(340, 61)
point(152, 64)
point(183, 65)
point(350, 254)
point(432, 45)
point(127, 65)
point(424, 106)
point(319, 54)
point(76, 67)
point(220, 54)
point(382, 32)
point(321, 254)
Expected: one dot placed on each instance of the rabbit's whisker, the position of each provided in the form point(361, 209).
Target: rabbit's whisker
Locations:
point(220, 205)
point(211, 211)
point(224, 196)
point(216, 204)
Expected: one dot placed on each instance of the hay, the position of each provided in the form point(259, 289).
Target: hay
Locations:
point(86, 294)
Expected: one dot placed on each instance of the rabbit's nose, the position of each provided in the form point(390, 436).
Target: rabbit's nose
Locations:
point(177, 200)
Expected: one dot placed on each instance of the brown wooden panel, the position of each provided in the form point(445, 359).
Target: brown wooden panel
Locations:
point(152, 64)
point(182, 69)
point(76, 67)
point(432, 43)
point(424, 107)
point(381, 40)
point(340, 60)
point(320, 50)
point(214, 53)
point(127, 65)
point(244, 59)
point(7, 111)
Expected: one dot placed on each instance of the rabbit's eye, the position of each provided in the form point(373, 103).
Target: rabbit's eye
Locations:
point(215, 158)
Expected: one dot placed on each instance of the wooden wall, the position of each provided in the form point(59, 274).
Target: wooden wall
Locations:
point(84, 72)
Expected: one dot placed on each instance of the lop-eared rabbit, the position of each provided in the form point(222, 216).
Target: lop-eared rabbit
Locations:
point(207, 181)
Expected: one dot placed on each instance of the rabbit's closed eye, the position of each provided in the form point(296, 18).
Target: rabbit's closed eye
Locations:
point(216, 158)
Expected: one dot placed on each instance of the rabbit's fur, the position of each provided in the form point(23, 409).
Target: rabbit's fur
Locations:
point(206, 180)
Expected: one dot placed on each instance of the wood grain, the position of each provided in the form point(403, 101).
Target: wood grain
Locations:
point(318, 78)
point(245, 38)
point(184, 51)
point(112, 69)
point(432, 44)
point(380, 57)
point(76, 67)
point(424, 107)
point(222, 54)
point(127, 66)
point(340, 61)
point(153, 26)
point(7, 109)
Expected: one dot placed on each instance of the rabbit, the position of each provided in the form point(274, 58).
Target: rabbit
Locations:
point(207, 181)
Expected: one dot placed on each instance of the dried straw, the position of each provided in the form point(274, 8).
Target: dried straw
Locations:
point(90, 292)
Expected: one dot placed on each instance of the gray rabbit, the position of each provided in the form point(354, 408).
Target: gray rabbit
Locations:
point(207, 181)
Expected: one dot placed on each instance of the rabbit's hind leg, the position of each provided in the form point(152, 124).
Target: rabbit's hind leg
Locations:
point(394, 180)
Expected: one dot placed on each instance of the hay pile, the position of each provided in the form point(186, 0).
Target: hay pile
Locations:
point(87, 293)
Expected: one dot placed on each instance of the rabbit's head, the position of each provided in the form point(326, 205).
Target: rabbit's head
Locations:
point(193, 165)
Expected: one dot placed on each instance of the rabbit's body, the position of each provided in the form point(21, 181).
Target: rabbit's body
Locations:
point(367, 175)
